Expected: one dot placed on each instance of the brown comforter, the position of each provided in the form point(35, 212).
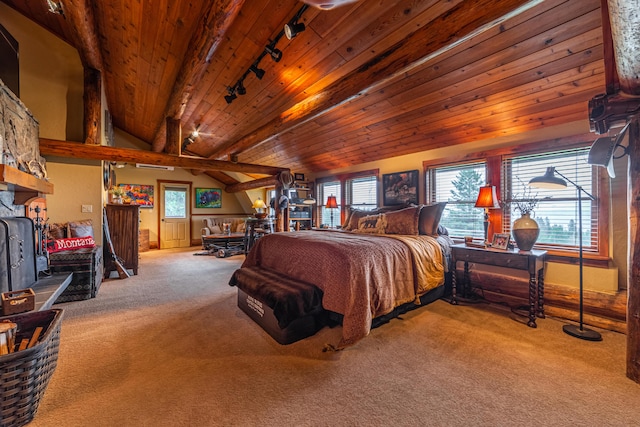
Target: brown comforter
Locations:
point(362, 276)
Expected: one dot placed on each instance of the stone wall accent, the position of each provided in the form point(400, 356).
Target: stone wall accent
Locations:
point(19, 135)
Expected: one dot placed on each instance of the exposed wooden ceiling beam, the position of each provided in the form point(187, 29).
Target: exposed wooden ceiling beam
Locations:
point(269, 181)
point(625, 21)
point(82, 151)
point(79, 14)
point(462, 22)
point(205, 41)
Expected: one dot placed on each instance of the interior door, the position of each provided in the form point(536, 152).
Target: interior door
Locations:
point(175, 230)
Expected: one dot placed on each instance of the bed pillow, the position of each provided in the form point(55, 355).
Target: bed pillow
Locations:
point(57, 231)
point(345, 224)
point(430, 218)
point(82, 228)
point(354, 215)
point(403, 221)
point(354, 218)
point(374, 224)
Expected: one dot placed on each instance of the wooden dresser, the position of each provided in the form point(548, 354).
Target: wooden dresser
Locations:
point(124, 223)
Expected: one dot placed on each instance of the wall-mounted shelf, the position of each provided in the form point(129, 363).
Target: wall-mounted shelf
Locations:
point(25, 186)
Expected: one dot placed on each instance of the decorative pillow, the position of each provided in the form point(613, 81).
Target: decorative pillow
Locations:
point(354, 215)
point(241, 227)
point(403, 221)
point(430, 218)
point(82, 228)
point(345, 224)
point(354, 218)
point(57, 231)
point(215, 229)
point(70, 244)
point(372, 224)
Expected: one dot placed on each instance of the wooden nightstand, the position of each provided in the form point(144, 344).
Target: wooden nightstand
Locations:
point(531, 261)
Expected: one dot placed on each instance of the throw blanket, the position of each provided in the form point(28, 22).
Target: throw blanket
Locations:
point(362, 276)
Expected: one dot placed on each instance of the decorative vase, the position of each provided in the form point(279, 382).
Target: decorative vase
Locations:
point(525, 232)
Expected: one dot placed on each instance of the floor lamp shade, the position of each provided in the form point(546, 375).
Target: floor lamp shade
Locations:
point(550, 181)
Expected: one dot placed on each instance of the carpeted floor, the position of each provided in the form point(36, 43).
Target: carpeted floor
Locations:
point(169, 347)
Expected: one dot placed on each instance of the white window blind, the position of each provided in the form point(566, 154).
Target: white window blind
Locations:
point(557, 210)
point(458, 185)
point(362, 192)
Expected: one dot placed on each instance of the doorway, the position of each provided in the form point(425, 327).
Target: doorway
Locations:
point(175, 215)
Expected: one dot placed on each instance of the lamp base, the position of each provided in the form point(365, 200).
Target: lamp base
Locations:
point(582, 333)
point(260, 215)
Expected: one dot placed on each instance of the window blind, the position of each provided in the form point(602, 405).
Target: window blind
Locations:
point(557, 210)
point(362, 192)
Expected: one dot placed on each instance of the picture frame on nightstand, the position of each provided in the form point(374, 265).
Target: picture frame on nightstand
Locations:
point(500, 241)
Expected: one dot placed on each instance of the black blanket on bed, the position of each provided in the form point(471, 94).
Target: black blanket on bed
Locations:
point(288, 299)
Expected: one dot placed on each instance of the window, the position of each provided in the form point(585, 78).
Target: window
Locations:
point(175, 202)
point(557, 210)
point(358, 190)
point(458, 185)
point(362, 192)
point(326, 189)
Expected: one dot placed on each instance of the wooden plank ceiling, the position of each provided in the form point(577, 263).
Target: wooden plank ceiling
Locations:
point(365, 81)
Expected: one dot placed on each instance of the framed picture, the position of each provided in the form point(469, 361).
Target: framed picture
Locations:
point(208, 198)
point(136, 194)
point(400, 188)
point(500, 241)
point(298, 176)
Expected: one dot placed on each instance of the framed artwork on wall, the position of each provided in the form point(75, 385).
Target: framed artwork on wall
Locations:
point(400, 188)
point(208, 198)
point(137, 194)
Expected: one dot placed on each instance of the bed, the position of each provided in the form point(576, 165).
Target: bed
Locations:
point(382, 261)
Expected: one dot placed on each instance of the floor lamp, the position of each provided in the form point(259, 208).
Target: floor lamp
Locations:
point(550, 181)
point(332, 204)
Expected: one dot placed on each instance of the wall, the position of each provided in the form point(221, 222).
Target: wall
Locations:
point(51, 77)
point(75, 187)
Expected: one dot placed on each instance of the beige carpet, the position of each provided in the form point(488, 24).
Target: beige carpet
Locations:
point(169, 347)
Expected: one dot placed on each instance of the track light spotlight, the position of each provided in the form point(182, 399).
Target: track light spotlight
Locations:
point(276, 54)
point(292, 29)
point(187, 142)
point(232, 95)
point(240, 88)
point(259, 72)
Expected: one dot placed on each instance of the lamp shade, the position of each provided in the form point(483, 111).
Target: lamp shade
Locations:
point(487, 198)
point(332, 203)
point(601, 154)
point(309, 200)
point(259, 204)
point(549, 180)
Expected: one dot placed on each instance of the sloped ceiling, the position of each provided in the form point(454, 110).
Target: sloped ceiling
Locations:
point(365, 81)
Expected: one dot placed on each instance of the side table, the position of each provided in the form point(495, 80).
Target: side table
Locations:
point(531, 261)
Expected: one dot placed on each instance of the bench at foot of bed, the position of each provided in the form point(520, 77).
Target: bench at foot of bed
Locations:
point(287, 310)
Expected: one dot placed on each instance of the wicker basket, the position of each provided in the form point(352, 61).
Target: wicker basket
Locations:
point(25, 374)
